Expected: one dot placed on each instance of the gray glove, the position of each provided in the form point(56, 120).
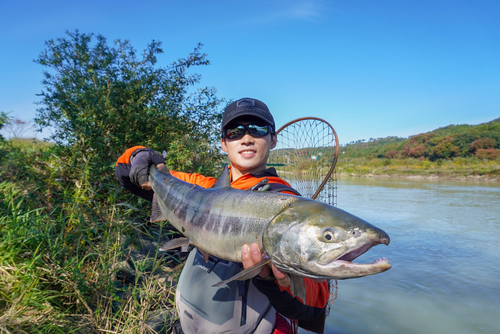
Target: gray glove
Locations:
point(141, 162)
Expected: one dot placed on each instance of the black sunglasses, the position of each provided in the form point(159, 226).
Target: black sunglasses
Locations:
point(237, 132)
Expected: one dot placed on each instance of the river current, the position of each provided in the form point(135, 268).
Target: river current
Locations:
point(444, 252)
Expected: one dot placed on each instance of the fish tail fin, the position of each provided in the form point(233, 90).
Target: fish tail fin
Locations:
point(164, 169)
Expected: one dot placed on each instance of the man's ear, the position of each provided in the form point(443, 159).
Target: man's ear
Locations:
point(223, 144)
point(274, 140)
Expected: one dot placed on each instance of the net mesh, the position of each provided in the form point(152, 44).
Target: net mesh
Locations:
point(306, 152)
point(304, 155)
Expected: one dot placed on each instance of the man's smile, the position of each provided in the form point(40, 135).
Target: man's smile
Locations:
point(245, 152)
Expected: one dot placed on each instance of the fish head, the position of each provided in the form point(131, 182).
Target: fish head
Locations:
point(318, 240)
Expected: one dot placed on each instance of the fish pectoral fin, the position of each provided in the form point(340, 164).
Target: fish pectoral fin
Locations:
point(247, 273)
point(175, 243)
point(298, 287)
point(205, 255)
point(156, 213)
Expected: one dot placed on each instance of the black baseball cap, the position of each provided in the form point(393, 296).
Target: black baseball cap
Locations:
point(247, 107)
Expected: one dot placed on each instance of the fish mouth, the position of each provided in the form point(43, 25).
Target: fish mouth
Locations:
point(343, 268)
point(379, 265)
point(332, 259)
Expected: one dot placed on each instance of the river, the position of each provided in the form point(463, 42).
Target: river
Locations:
point(444, 251)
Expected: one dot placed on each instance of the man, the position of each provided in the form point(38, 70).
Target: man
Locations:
point(253, 306)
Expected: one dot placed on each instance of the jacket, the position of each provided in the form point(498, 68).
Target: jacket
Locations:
point(244, 307)
point(195, 283)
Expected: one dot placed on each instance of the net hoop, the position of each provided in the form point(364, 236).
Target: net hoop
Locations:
point(306, 155)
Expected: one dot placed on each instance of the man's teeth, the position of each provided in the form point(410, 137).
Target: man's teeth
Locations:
point(247, 152)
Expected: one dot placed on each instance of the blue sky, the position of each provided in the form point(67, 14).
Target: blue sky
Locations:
point(370, 68)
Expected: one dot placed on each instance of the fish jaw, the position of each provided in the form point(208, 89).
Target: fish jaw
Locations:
point(339, 269)
point(317, 240)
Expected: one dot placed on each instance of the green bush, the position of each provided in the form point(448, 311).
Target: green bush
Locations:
point(101, 99)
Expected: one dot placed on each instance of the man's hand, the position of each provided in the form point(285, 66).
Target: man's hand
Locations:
point(252, 255)
point(139, 169)
point(147, 185)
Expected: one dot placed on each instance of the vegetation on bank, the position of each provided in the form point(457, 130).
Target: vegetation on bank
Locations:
point(472, 168)
point(72, 250)
point(453, 141)
point(454, 151)
point(77, 254)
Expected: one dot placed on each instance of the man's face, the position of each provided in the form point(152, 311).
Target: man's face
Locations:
point(248, 154)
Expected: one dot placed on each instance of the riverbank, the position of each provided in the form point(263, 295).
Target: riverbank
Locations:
point(457, 169)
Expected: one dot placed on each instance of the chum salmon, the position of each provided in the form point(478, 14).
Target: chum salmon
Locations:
point(300, 236)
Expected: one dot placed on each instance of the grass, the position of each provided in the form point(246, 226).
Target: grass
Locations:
point(72, 250)
point(34, 143)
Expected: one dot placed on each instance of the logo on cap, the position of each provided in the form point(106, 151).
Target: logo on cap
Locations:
point(245, 103)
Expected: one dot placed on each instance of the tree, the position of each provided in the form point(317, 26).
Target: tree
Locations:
point(417, 151)
point(391, 154)
point(102, 99)
point(444, 150)
point(489, 153)
point(463, 140)
point(17, 127)
point(482, 143)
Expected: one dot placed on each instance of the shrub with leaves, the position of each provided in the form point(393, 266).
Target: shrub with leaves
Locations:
point(101, 100)
point(489, 153)
point(4, 120)
point(482, 143)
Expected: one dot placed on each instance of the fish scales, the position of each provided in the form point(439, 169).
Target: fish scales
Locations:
point(212, 219)
point(301, 236)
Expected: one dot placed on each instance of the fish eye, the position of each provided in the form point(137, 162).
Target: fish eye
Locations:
point(328, 235)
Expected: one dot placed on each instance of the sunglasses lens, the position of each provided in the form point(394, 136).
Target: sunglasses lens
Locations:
point(235, 133)
point(258, 131)
point(254, 131)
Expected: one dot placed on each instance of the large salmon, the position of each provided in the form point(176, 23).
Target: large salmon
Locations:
point(300, 236)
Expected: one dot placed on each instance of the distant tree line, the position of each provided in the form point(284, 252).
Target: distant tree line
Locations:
point(481, 141)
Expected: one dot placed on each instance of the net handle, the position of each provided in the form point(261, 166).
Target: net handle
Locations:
point(336, 156)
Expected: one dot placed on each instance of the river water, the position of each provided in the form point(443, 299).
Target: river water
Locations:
point(444, 251)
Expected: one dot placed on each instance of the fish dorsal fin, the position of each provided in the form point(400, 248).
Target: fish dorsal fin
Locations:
point(224, 180)
point(156, 213)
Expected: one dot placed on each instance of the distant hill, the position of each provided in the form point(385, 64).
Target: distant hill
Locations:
point(482, 141)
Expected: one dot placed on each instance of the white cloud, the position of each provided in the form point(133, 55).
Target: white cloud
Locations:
point(306, 10)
